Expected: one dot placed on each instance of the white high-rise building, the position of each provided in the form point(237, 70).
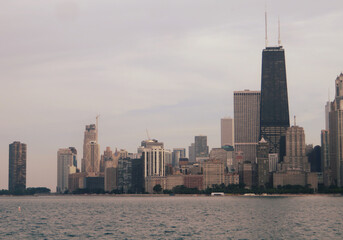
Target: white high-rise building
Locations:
point(227, 131)
point(154, 161)
point(66, 158)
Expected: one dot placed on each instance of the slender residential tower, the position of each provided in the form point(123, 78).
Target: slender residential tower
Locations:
point(17, 167)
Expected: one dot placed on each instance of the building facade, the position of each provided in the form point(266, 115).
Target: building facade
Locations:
point(17, 167)
point(227, 131)
point(247, 122)
point(66, 159)
point(336, 134)
point(274, 113)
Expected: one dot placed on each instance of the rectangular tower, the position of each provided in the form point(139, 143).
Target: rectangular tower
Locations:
point(247, 122)
point(274, 113)
point(17, 167)
point(66, 158)
point(227, 131)
point(336, 134)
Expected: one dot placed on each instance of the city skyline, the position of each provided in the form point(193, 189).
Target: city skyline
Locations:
point(208, 57)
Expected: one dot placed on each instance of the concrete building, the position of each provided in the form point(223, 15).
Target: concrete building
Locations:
point(111, 179)
point(227, 131)
point(66, 158)
point(248, 174)
point(200, 145)
point(191, 153)
point(154, 162)
point(295, 169)
point(91, 150)
point(295, 158)
point(177, 154)
point(213, 173)
point(231, 178)
point(193, 181)
point(247, 122)
point(17, 167)
point(325, 157)
point(336, 134)
point(273, 159)
point(76, 181)
point(263, 163)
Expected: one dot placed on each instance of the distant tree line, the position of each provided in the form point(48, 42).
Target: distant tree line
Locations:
point(27, 191)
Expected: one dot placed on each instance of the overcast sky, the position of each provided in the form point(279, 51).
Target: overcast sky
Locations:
point(167, 66)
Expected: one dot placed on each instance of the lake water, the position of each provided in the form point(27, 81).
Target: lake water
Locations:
point(108, 217)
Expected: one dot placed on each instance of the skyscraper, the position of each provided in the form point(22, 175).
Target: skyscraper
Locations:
point(295, 158)
point(274, 113)
point(200, 146)
point(17, 167)
point(91, 150)
point(177, 154)
point(227, 131)
point(336, 134)
point(247, 122)
point(66, 158)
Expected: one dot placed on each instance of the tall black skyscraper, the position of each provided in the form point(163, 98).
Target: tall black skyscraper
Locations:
point(274, 114)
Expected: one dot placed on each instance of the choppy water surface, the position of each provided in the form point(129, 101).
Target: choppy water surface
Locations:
point(107, 217)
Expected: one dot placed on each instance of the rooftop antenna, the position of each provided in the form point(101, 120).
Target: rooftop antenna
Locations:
point(295, 120)
point(266, 27)
point(279, 37)
point(97, 125)
point(147, 133)
point(329, 94)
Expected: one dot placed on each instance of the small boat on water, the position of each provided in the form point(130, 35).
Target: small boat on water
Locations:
point(217, 194)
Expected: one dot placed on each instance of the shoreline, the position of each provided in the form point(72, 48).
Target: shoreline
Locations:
point(180, 195)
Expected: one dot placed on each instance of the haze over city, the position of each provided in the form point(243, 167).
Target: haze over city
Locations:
point(169, 67)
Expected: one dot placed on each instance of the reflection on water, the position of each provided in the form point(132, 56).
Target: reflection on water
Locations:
point(107, 217)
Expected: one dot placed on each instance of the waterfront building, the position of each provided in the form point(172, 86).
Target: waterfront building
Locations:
point(176, 155)
point(247, 122)
point(213, 173)
point(274, 113)
point(111, 179)
point(91, 150)
point(200, 145)
point(336, 134)
point(193, 181)
point(296, 158)
point(231, 178)
point(227, 131)
point(325, 157)
point(248, 174)
point(295, 169)
point(273, 159)
point(263, 162)
point(66, 159)
point(191, 153)
point(17, 167)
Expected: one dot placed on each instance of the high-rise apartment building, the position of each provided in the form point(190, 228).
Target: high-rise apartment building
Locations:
point(17, 167)
point(227, 131)
point(66, 159)
point(274, 113)
point(154, 160)
point(91, 150)
point(247, 122)
point(336, 134)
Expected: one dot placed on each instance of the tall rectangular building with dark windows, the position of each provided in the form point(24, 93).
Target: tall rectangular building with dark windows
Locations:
point(274, 113)
point(17, 167)
point(247, 122)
